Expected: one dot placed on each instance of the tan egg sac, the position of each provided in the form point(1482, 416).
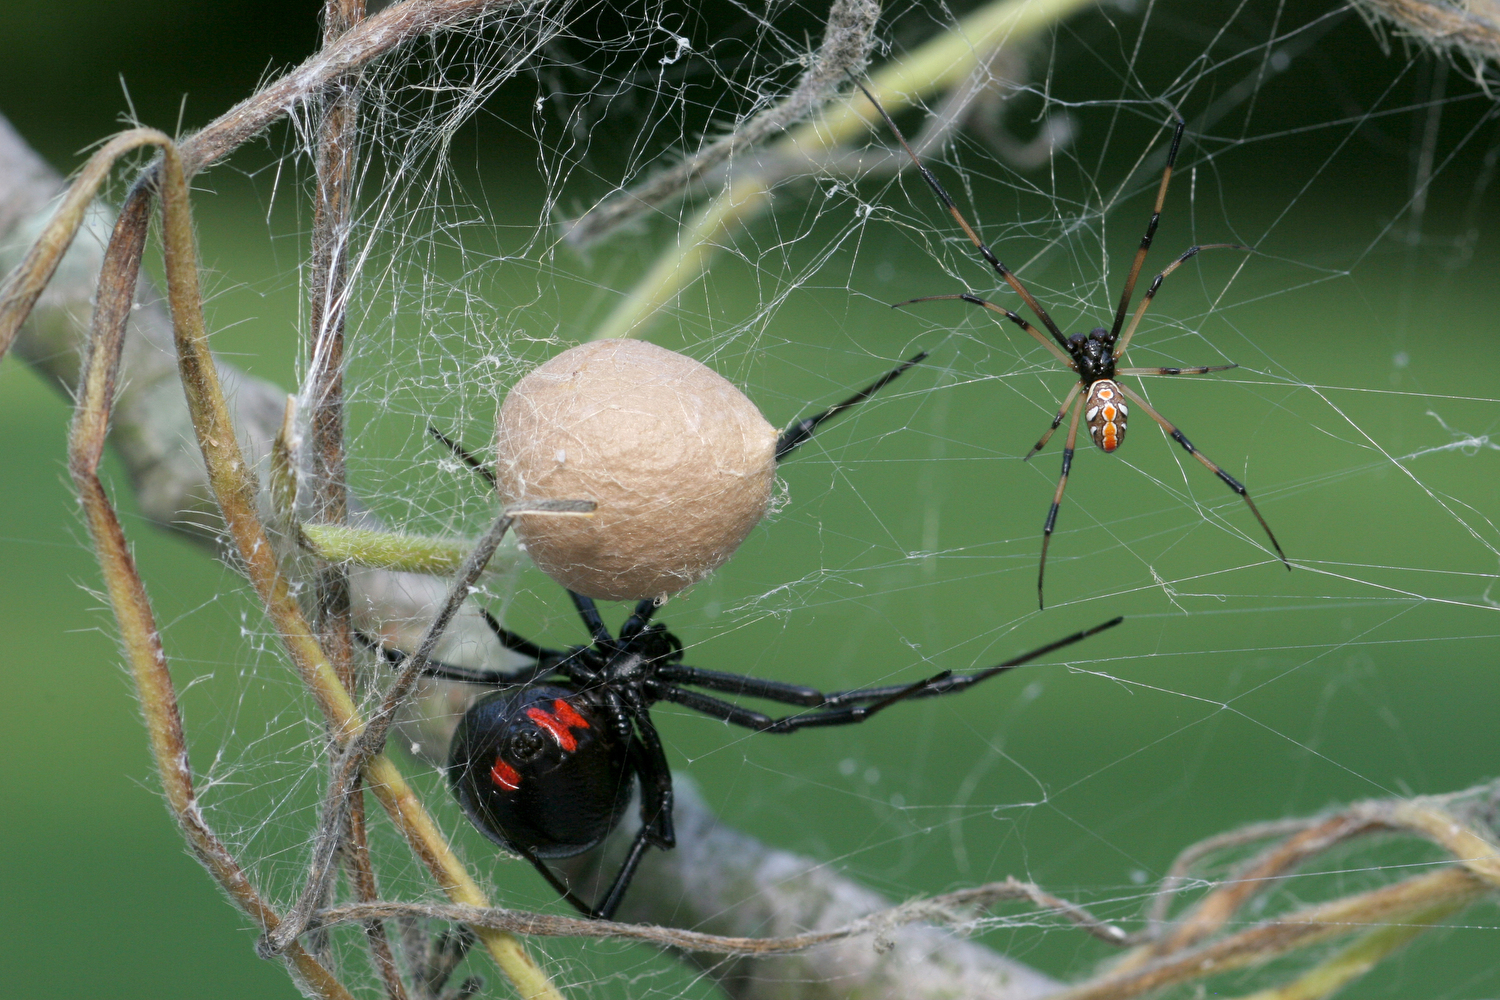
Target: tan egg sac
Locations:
point(679, 461)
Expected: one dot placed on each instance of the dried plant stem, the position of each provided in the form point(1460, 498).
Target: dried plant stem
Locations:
point(953, 907)
point(337, 166)
point(337, 153)
point(1457, 27)
point(230, 479)
point(24, 285)
point(132, 608)
point(235, 491)
point(1404, 902)
point(941, 63)
point(372, 38)
point(1220, 905)
point(1177, 874)
point(369, 40)
point(1358, 958)
point(847, 40)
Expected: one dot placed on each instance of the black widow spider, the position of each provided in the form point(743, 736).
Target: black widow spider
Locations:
point(1092, 355)
point(544, 766)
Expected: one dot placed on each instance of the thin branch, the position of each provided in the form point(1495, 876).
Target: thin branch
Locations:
point(847, 40)
point(950, 908)
point(235, 492)
point(328, 292)
point(1177, 875)
point(1396, 904)
point(139, 635)
point(374, 37)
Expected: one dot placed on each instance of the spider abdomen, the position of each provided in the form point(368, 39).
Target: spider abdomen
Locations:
point(1106, 412)
point(539, 771)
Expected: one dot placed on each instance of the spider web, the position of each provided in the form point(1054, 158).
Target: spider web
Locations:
point(1361, 417)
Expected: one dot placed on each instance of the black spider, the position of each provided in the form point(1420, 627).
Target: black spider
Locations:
point(545, 765)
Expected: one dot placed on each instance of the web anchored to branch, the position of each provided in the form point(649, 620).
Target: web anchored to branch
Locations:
point(715, 183)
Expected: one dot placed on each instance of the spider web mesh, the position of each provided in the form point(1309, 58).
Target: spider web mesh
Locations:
point(1360, 417)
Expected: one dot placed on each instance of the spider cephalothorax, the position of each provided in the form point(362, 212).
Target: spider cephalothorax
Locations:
point(545, 765)
point(1093, 355)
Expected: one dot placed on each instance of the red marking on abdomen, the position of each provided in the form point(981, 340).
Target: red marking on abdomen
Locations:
point(555, 728)
point(569, 717)
point(505, 776)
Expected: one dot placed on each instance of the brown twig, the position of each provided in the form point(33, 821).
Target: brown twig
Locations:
point(1177, 875)
point(132, 607)
point(337, 165)
point(1380, 907)
point(847, 40)
point(235, 492)
point(950, 908)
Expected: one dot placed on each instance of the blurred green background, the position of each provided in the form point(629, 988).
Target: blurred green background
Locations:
point(1236, 692)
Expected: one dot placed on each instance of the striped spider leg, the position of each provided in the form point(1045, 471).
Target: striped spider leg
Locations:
point(1097, 397)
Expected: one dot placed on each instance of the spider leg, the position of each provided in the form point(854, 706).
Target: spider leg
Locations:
point(1014, 318)
point(849, 707)
point(655, 777)
point(750, 687)
point(1200, 370)
point(561, 887)
point(1140, 254)
point(1140, 310)
point(844, 713)
point(949, 682)
point(464, 455)
point(656, 782)
point(1062, 411)
point(589, 612)
point(1062, 484)
point(639, 618)
point(1230, 481)
point(799, 432)
point(518, 644)
point(472, 675)
point(989, 256)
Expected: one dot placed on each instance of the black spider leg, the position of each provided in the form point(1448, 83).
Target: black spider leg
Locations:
point(549, 662)
point(1057, 352)
point(948, 203)
point(799, 432)
point(464, 455)
point(1140, 311)
point(657, 829)
point(842, 707)
point(639, 619)
point(516, 643)
point(739, 684)
point(1200, 370)
point(844, 715)
point(1062, 484)
point(592, 621)
point(1233, 483)
point(1062, 411)
point(558, 885)
point(1140, 253)
point(649, 763)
